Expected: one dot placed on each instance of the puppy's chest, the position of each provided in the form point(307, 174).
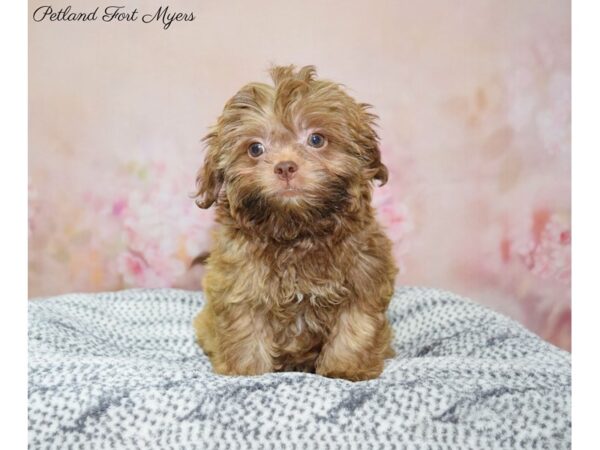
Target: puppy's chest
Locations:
point(306, 298)
point(304, 312)
point(300, 329)
point(309, 287)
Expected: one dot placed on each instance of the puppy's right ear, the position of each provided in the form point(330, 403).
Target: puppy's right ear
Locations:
point(210, 178)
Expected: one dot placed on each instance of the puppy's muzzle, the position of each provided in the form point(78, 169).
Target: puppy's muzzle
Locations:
point(286, 170)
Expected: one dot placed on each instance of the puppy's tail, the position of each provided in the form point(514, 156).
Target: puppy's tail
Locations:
point(200, 259)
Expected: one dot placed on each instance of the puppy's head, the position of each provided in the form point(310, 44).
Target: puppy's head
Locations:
point(301, 150)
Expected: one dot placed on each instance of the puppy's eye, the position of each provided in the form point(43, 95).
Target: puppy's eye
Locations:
point(256, 149)
point(316, 140)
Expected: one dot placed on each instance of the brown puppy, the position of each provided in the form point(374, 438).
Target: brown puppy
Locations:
point(301, 274)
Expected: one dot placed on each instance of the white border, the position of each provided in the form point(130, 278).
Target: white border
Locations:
point(13, 269)
point(586, 222)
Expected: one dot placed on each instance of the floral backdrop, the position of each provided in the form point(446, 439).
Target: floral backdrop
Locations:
point(474, 105)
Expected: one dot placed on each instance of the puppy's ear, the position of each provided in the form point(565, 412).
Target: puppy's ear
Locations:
point(369, 141)
point(210, 178)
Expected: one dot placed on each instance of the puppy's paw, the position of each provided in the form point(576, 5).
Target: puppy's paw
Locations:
point(351, 372)
point(245, 373)
point(229, 370)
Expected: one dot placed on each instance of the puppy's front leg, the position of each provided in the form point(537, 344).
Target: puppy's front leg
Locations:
point(356, 347)
point(243, 343)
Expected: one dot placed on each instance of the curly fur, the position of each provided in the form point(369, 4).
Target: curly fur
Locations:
point(295, 282)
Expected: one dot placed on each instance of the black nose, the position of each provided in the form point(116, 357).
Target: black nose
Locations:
point(286, 169)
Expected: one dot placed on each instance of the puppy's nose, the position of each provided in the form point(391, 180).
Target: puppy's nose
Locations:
point(286, 169)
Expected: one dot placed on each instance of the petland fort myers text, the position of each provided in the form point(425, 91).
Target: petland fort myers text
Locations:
point(163, 15)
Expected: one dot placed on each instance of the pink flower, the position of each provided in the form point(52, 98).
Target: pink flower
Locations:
point(119, 206)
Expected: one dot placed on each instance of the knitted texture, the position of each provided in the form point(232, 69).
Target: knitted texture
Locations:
point(122, 370)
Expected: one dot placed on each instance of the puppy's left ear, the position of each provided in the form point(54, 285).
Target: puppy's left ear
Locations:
point(369, 140)
point(210, 178)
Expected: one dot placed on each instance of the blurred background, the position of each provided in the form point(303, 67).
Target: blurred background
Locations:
point(474, 105)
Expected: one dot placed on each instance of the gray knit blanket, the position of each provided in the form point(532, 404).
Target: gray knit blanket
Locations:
point(122, 370)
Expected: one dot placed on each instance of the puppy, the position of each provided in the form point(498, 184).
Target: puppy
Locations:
point(300, 275)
